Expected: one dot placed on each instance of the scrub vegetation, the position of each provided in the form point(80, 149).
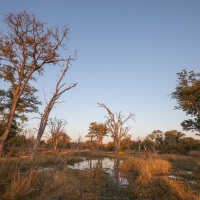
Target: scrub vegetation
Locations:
point(50, 177)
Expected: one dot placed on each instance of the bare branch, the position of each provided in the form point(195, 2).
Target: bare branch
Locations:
point(115, 123)
point(48, 109)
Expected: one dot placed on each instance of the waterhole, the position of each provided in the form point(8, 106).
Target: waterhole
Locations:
point(110, 166)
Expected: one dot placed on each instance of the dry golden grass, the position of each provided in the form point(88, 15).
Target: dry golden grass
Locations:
point(21, 186)
point(22, 179)
point(178, 158)
point(178, 189)
point(65, 184)
point(163, 188)
point(150, 182)
point(182, 161)
point(147, 167)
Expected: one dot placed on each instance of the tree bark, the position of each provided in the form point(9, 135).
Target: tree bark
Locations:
point(116, 144)
point(43, 124)
point(41, 130)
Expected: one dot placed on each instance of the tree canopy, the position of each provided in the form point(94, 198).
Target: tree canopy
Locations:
point(187, 95)
point(98, 131)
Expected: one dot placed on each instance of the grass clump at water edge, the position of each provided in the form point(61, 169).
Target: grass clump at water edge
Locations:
point(147, 167)
point(151, 182)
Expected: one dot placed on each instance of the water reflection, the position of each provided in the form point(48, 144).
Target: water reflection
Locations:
point(110, 166)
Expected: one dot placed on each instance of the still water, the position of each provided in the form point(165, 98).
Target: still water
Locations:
point(109, 165)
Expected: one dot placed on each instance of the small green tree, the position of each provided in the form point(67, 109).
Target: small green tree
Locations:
point(187, 95)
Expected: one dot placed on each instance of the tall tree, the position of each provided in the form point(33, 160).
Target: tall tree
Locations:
point(59, 90)
point(92, 134)
point(102, 131)
point(26, 48)
point(115, 123)
point(187, 95)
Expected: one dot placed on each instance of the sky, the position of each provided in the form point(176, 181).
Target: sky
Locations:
point(129, 52)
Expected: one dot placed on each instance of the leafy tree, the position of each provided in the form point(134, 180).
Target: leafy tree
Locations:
point(115, 124)
point(110, 146)
point(190, 143)
point(18, 141)
point(156, 137)
point(98, 131)
point(62, 141)
point(27, 103)
point(92, 134)
point(102, 131)
point(187, 95)
point(90, 145)
point(126, 143)
point(25, 49)
point(173, 137)
point(149, 144)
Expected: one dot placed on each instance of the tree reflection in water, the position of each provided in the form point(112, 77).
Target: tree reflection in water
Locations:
point(109, 165)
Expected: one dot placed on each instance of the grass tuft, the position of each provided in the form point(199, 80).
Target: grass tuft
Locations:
point(146, 167)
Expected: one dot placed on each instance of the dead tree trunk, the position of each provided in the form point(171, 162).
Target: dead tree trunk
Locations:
point(42, 127)
point(45, 116)
point(115, 124)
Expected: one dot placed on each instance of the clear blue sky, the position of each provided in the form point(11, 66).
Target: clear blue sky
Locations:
point(129, 52)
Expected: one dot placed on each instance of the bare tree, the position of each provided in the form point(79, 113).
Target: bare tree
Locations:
point(58, 92)
point(57, 128)
point(115, 124)
point(26, 48)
